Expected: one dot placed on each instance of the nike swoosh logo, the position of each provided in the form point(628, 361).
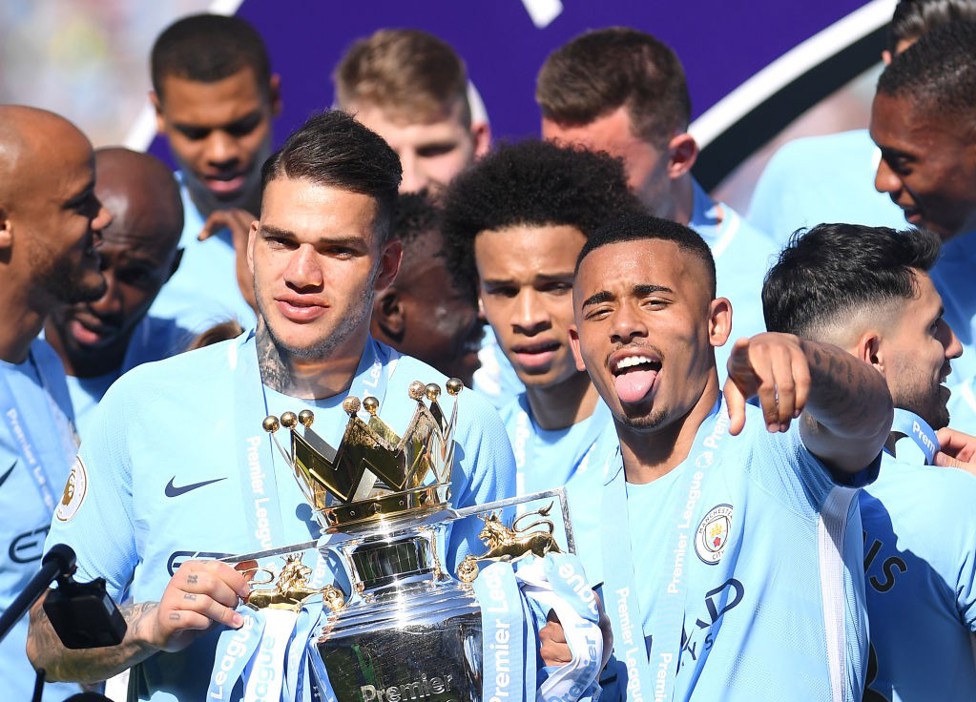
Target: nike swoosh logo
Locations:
point(3, 478)
point(174, 491)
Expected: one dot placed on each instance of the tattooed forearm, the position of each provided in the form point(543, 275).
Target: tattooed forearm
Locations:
point(46, 651)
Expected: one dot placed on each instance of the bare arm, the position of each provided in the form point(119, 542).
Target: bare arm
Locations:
point(200, 594)
point(846, 404)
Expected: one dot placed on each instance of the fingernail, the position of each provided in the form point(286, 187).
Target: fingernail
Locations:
point(784, 426)
point(237, 620)
point(773, 427)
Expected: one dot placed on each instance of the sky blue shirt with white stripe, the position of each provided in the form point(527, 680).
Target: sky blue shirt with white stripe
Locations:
point(780, 613)
point(920, 577)
point(819, 179)
point(43, 406)
point(203, 291)
point(742, 256)
point(173, 471)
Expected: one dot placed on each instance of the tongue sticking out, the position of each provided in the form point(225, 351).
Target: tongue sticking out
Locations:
point(633, 385)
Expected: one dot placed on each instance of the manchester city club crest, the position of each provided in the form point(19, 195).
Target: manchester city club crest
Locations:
point(713, 533)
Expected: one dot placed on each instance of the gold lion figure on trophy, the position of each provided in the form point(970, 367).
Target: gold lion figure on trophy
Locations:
point(291, 587)
point(511, 544)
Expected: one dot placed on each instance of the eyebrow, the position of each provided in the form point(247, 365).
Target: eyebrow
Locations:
point(638, 291)
point(254, 116)
point(543, 277)
point(271, 230)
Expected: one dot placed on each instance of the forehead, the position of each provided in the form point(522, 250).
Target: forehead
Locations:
point(310, 209)
point(397, 129)
point(612, 133)
point(528, 246)
point(620, 266)
point(212, 104)
point(899, 123)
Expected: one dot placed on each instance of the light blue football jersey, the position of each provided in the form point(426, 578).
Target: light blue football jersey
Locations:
point(193, 473)
point(819, 179)
point(496, 379)
point(742, 256)
point(575, 458)
point(744, 577)
point(954, 276)
point(920, 579)
point(33, 396)
point(204, 289)
point(153, 340)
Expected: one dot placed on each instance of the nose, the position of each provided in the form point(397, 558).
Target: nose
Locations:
point(529, 316)
point(222, 149)
point(110, 303)
point(627, 324)
point(953, 347)
point(414, 178)
point(102, 219)
point(303, 270)
point(885, 180)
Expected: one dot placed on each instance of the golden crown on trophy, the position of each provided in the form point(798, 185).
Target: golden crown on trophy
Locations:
point(374, 473)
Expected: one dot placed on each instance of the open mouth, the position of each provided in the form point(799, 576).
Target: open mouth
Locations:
point(534, 356)
point(225, 183)
point(634, 376)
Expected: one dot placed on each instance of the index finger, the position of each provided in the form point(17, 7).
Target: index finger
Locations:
point(735, 402)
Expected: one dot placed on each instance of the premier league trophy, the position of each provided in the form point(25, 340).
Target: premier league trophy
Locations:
point(407, 630)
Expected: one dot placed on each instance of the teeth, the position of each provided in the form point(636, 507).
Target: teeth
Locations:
point(632, 361)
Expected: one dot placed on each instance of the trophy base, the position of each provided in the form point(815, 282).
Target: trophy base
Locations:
point(409, 647)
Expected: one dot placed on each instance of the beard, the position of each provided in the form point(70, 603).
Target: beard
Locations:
point(68, 282)
point(929, 404)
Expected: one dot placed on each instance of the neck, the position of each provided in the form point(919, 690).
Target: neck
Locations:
point(22, 320)
point(207, 204)
point(306, 379)
point(649, 454)
point(563, 405)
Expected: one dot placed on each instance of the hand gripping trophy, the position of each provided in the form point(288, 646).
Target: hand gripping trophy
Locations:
point(404, 629)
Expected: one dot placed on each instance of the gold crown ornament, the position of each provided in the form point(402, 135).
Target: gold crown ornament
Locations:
point(374, 473)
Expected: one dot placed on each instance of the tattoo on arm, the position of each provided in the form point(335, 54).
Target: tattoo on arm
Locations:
point(87, 665)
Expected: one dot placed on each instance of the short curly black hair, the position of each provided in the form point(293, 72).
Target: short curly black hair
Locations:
point(533, 183)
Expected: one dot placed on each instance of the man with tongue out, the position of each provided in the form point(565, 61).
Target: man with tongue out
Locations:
point(520, 216)
point(732, 536)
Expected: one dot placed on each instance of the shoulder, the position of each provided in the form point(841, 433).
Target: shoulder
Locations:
point(191, 373)
point(950, 493)
point(813, 150)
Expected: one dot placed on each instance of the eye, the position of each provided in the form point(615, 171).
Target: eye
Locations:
point(557, 288)
point(243, 127)
point(193, 133)
point(501, 291)
point(434, 150)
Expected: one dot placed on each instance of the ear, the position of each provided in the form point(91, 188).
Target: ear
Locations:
point(6, 230)
point(719, 321)
point(481, 131)
point(574, 344)
point(252, 239)
point(274, 93)
point(388, 314)
point(886, 57)
point(869, 349)
point(158, 107)
point(682, 154)
point(389, 264)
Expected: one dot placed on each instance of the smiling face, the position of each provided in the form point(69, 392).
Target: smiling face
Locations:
point(526, 276)
point(432, 152)
point(61, 219)
point(646, 328)
point(317, 263)
point(928, 165)
point(220, 134)
point(138, 252)
point(916, 351)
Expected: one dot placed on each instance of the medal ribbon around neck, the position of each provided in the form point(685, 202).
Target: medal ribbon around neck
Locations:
point(916, 433)
point(655, 665)
point(23, 439)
